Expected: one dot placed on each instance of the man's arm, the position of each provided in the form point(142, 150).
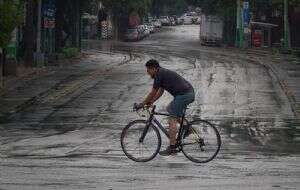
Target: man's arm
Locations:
point(158, 94)
point(153, 96)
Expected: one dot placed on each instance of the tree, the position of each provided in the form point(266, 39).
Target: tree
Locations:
point(29, 32)
point(122, 9)
point(11, 14)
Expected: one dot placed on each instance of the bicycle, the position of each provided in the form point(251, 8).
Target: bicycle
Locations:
point(199, 140)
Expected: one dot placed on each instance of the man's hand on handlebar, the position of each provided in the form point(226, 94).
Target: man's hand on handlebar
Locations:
point(138, 106)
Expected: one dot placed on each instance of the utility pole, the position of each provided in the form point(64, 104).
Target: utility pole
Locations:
point(286, 25)
point(1, 68)
point(39, 21)
point(1, 77)
point(38, 55)
point(239, 40)
point(241, 26)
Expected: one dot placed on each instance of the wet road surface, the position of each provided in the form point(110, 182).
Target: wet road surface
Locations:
point(68, 136)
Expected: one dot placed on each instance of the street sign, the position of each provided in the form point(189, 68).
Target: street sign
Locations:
point(49, 11)
point(246, 17)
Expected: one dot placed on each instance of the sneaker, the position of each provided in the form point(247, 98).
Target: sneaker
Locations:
point(169, 151)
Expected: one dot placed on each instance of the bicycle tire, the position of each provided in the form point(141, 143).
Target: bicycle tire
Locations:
point(203, 142)
point(130, 137)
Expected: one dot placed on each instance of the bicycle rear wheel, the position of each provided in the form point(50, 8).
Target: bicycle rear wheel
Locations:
point(140, 151)
point(202, 143)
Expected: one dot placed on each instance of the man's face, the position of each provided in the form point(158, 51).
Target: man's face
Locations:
point(151, 71)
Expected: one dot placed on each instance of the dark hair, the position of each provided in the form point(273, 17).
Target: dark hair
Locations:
point(152, 63)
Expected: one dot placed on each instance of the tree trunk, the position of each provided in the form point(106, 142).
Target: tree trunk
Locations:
point(76, 21)
point(59, 21)
point(29, 33)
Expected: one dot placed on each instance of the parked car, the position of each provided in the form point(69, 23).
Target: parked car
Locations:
point(144, 31)
point(150, 27)
point(156, 23)
point(187, 18)
point(133, 34)
point(165, 21)
point(196, 20)
point(177, 20)
point(172, 21)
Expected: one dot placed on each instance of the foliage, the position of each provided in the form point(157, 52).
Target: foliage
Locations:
point(128, 6)
point(221, 6)
point(11, 14)
point(173, 7)
point(89, 6)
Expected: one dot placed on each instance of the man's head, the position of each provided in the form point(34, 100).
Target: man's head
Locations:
point(152, 67)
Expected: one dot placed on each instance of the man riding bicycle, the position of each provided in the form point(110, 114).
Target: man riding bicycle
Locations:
point(179, 88)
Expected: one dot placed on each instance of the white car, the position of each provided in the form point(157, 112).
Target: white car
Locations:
point(187, 18)
point(143, 30)
point(165, 21)
point(151, 27)
point(156, 23)
point(147, 30)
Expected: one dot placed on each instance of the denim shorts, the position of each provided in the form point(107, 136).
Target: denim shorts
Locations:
point(179, 103)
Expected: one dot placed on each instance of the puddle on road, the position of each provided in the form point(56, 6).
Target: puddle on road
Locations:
point(268, 136)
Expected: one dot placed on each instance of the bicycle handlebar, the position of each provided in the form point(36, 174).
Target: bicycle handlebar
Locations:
point(138, 106)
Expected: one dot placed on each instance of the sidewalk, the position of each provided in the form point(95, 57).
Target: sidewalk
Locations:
point(24, 89)
point(287, 71)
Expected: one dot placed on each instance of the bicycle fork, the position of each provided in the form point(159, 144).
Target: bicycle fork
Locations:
point(145, 131)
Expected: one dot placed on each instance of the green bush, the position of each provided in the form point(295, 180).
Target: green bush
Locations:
point(70, 52)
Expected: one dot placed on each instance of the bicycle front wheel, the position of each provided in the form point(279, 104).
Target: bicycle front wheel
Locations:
point(137, 149)
point(202, 143)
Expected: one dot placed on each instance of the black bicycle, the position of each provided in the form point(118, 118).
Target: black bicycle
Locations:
point(199, 140)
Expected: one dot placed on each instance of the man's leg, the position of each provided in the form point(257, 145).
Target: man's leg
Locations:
point(172, 131)
point(172, 126)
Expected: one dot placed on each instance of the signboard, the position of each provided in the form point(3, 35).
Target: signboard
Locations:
point(246, 17)
point(49, 11)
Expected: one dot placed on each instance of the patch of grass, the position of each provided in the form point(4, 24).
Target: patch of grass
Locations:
point(70, 52)
point(298, 107)
point(275, 51)
point(286, 51)
point(296, 52)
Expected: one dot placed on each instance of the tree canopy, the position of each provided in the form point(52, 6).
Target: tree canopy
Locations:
point(11, 14)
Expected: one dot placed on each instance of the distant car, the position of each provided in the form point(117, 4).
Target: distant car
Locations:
point(156, 23)
point(133, 34)
point(177, 20)
point(150, 27)
point(146, 30)
point(172, 21)
point(187, 18)
point(165, 21)
point(196, 20)
point(143, 30)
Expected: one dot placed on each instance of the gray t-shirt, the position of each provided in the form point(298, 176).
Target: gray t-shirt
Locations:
point(171, 82)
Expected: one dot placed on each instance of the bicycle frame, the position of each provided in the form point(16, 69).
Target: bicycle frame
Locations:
point(152, 120)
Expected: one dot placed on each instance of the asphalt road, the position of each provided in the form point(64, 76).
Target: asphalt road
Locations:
point(68, 136)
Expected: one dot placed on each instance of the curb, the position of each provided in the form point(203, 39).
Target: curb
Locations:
point(284, 86)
